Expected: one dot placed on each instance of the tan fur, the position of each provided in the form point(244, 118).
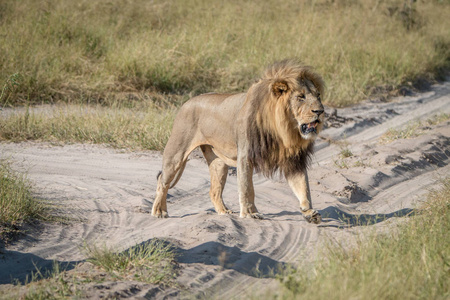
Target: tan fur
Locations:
point(259, 130)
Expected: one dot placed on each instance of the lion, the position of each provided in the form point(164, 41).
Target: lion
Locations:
point(270, 129)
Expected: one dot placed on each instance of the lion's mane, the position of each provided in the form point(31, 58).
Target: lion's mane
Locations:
point(275, 143)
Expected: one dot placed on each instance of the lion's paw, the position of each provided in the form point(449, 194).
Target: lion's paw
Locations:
point(225, 212)
point(160, 214)
point(256, 215)
point(312, 216)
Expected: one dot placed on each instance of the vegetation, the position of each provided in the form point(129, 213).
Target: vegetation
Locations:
point(148, 262)
point(411, 262)
point(412, 129)
point(144, 128)
point(122, 68)
point(17, 205)
point(55, 284)
point(143, 59)
point(99, 51)
point(345, 152)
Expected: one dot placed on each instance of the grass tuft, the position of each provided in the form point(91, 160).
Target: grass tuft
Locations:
point(54, 284)
point(150, 262)
point(17, 205)
point(345, 152)
point(9, 88)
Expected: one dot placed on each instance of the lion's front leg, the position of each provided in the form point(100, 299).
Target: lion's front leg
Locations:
point(246, 190)
point(300, 186)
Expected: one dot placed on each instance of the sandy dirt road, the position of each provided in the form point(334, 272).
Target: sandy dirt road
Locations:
point(106, 193)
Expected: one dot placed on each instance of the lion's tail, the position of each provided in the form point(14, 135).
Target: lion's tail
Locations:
point(177, 176)
point(179, 173)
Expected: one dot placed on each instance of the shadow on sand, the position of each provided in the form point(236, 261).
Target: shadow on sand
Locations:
point(18, 267)
point(346, 220)
point(214, 253)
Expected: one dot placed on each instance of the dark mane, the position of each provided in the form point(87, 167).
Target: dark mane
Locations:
point(263, 150)
point(266, 151)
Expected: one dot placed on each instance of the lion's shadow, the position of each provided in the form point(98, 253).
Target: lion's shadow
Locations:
point(217, 254)
point(19, 267)
point(333, 214)
point(210, 253)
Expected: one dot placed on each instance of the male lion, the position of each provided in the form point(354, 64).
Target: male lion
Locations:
point(269, 128)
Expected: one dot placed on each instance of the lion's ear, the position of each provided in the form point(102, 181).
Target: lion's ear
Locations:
point(278, 88)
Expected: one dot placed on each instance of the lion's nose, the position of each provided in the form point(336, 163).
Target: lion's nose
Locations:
point(318, 112)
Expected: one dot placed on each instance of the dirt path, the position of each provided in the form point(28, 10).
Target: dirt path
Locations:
point(107, 191)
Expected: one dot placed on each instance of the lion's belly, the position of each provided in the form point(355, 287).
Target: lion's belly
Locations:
point(226, 154)
point(215, 123)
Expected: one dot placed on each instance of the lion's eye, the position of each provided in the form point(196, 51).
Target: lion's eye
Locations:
point(301, 97)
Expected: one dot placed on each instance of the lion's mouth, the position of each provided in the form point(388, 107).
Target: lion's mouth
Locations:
point(309, 127)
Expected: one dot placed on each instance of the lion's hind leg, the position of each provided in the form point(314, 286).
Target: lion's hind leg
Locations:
point(159, 208)
point(173, 168)
point(218, 171)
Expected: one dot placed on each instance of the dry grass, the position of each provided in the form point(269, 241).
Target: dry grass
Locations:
point(133, 129)
point(409, 262)
point(412, 129)
point(145, 58)
point(17, 205)
point(97, 50)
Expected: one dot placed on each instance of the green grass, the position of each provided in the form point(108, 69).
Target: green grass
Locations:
point(345, 152)
point(17, 204)
point(409, 262)
point(341, 161)
point(103, 50)
point(150, 262)
point(54, 284)
point(134, 129)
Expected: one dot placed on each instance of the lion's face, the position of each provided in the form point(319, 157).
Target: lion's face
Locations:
point(307, 110)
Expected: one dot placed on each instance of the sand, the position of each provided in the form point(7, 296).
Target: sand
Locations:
point(107, 192)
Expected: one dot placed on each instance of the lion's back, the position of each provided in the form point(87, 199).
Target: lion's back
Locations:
point(211, 110)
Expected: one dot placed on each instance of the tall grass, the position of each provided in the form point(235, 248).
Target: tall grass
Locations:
point(17, 205)
point(133, 129)
point(96, 50)
point(410, 262)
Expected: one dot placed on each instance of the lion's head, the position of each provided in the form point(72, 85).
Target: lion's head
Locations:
point(286, 116)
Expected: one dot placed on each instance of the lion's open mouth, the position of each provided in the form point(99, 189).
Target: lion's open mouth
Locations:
point(309, 127)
